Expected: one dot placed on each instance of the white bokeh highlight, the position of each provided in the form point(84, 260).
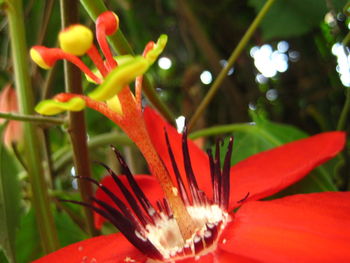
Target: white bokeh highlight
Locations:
point(206, 77)
point(343, 60)
point(164, 63)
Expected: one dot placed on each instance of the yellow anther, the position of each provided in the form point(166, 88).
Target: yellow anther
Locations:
point(76, 39)
point(38, 59)
point(114, 105)
point(52, 107)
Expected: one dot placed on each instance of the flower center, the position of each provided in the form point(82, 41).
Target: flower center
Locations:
point(155, 231)
point(166, 237)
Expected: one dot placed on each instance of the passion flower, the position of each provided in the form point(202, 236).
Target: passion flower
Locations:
point(292, 229)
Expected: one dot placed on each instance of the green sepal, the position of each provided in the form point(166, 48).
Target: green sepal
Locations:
point(119, 77)
point(158, 48)
point(52, 107)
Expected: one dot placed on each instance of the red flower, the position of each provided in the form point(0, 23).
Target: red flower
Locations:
point(299, 228)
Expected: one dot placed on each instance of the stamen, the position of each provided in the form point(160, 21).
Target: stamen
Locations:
point(76, 61)
point(97, 59)
point(51, 55)
point(104, 25)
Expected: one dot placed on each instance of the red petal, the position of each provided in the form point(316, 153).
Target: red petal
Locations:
point(227, 257)
point(155, 125)
point(260, 175)
point(299, 228)
point(268, 172)
point(218, 256)
point(107, 249)
point(148, 184)
point(209, 258)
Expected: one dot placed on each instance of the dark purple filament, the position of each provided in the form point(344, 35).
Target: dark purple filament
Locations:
point(132, 221)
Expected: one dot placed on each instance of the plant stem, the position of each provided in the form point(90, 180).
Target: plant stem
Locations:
point(31, 118)
point(122, 47)
point(40, 196)
point(77, 127)
point(234, 55)
point(345, 111)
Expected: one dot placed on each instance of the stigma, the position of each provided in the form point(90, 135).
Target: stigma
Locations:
point(153, 228)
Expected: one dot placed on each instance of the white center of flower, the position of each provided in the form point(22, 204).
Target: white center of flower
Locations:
point(165, 235)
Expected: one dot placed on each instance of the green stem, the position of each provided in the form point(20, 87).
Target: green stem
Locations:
point(346, 39)
point(220, 129)
point(64, 155)
point(117, 40)
point(345, 111)
point(121, 45)
point(32, 118)
point(235, 54)
point(77, 127)
point(40, 196)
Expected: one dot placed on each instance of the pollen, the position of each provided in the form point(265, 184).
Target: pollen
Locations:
point(76, 39)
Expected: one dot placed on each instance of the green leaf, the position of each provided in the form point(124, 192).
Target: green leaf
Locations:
point(28, 241)
point(9, 203)
point(3, 258)
point(264, 135)
point(291, 18)
point(68, 233)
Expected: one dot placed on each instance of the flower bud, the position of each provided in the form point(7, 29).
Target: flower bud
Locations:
point(76, 39)
point(13, 132)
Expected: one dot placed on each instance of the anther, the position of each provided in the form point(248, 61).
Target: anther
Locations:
point(47, 57)
point(75, 39)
